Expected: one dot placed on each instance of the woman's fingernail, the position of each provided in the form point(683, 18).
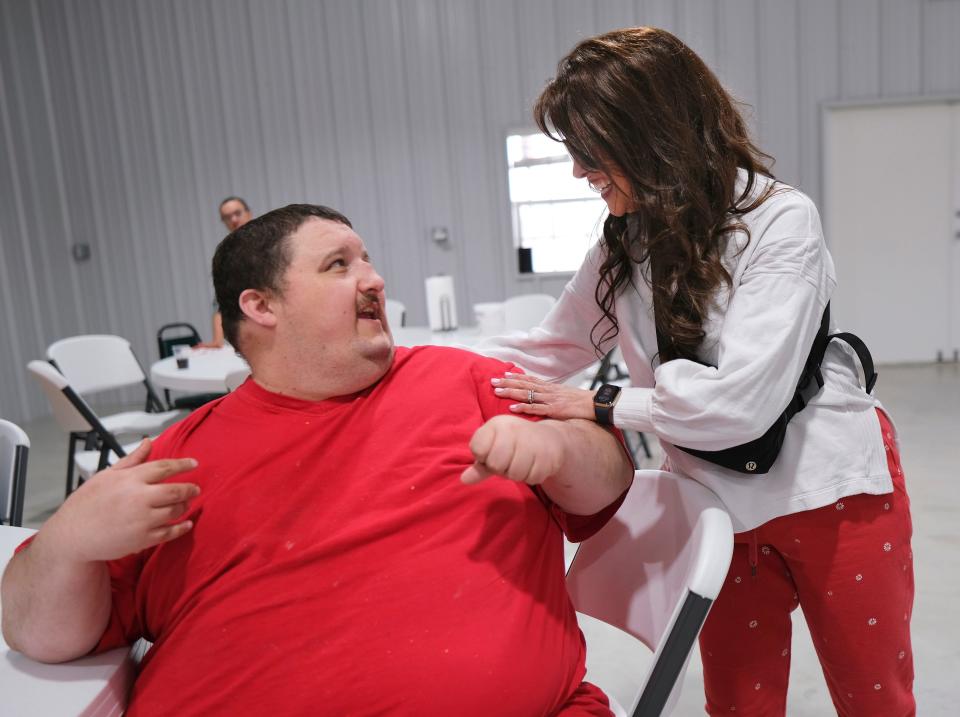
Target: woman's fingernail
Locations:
point(495, 381)
point(509, 375)
point(499, 390)
point(515, 407)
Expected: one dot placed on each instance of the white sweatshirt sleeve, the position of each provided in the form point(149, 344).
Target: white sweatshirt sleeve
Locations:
point(560, 346)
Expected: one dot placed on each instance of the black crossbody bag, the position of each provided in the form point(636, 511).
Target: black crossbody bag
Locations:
point(758, 456)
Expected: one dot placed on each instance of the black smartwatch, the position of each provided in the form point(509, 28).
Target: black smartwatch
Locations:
point(603, 402)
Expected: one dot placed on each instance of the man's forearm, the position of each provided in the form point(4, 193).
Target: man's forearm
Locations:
point(595, 471)
point(53, 609)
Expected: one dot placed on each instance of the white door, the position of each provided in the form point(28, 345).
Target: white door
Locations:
point(890, 206)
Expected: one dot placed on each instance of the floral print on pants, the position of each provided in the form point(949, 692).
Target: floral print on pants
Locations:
point(849, 567)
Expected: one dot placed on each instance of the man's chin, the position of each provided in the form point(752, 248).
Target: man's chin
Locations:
point(379, 348)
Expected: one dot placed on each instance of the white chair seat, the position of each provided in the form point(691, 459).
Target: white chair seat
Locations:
point(87, 461)
point(140, 423)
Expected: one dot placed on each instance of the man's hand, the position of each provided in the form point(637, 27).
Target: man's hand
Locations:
point(56, 592)
point(124, 509)
point(515, 448)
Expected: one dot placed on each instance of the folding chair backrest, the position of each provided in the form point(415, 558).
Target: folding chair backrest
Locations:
point(654, 570)
point(522, 313)
point(65, 412)
point(176, 334)
point(14, 448)
point(96, 362)
point(71, 412)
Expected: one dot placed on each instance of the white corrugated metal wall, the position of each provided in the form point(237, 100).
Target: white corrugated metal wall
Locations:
point(123, 123)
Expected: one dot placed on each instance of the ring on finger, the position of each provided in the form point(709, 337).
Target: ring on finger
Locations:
point(530, 395)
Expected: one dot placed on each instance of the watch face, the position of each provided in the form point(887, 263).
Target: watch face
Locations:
point(606, 394)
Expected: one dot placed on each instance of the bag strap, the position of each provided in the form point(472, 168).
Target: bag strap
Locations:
point(863, 353)
point(811, 378)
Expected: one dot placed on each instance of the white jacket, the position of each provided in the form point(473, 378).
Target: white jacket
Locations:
point(758, 336)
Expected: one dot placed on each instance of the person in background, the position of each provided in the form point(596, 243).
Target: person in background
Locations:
point(713, 277)
point(234, 213)
point(341, 543)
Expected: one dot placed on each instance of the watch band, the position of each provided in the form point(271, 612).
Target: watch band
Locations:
point(603, 402)
point(604, 414)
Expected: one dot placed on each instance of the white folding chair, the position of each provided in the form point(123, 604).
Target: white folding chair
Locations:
point(643, 585)
point(396, 313)
point(14, 448)
point(100, 362)
point(522, 313)
point(235, 378)
point(74, 415)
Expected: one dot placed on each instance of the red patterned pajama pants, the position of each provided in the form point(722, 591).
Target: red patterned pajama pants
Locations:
point(850, 567)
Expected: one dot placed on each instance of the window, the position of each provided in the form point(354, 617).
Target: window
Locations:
point(556, 217)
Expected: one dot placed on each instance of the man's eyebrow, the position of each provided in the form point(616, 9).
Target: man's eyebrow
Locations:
point(339, 249)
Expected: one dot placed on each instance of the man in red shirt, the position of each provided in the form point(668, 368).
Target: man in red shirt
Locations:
point(365, 529)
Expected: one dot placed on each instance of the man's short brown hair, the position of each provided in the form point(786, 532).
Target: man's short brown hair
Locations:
point(256, 255)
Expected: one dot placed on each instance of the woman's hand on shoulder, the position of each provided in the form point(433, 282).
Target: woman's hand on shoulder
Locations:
point(536, 397)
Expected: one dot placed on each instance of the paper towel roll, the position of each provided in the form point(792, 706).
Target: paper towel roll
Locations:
point(441, 303)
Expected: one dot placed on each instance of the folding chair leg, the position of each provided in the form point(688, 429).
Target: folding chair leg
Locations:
point(19, 488)
point(72, 448)
point(646, 446)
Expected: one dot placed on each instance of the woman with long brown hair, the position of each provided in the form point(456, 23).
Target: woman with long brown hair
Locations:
point(714, 280)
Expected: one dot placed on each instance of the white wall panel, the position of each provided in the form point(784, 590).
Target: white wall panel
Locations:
point(658, 13)
point(505, 110)
point(314, 103)
point(941, 46)
point(777, 105)
point(475, 154)
point(124, 123)
point(539, 47)
point(402, 241)
point(738, 56)
point(818, 39)
point(697, 23)
point(901, 56)
point(573, 21)
point(859, 48)
point(613, 14)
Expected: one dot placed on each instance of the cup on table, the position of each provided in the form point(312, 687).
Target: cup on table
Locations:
point(182, 353)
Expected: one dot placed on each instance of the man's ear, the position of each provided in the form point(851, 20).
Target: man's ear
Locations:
point(257, 306)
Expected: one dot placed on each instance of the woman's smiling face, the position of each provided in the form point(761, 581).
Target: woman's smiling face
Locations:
point(612, 185)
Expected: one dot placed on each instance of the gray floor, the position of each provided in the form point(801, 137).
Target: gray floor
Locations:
point(925, 404)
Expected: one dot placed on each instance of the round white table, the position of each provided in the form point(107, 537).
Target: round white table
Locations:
point(464, 338)
point(96, 685)
point(206, 372)
point(208, 368)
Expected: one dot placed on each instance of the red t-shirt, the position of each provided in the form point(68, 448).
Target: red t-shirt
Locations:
point(338, 566)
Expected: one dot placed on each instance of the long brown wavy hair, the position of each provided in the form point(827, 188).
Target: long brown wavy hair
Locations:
point(641, 102)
